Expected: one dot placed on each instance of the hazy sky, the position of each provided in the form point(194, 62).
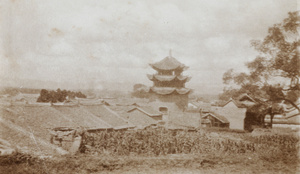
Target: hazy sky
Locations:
point(92, 43)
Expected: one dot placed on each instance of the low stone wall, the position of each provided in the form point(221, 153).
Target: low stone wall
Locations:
point(6, 148)
point(69, 139)
point(73, 139)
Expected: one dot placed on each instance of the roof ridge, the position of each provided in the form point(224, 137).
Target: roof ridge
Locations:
point(147, 113)
point(168, 63)
point(98, 118)
point(117, 115)
point(216, 115)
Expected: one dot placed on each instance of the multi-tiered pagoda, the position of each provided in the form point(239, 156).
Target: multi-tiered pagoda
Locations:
point(168, 82)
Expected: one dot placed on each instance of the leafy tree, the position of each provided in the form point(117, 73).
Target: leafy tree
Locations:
point(71, 94)
point(44, 96)
point(58, 95)
point(53, 97)
point(64, 93)
point(274, 74)
point(80, 95)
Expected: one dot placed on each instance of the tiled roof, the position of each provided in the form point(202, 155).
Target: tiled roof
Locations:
point(148, 110)
point(22, 136)
point(121, 109)
point(43, 117)
point(168, 63)
point(82, 117)
point(168, 77)
point(244, 97)
point(292, 113)
point(139, 119)
point(296, 103)
point(287, 119)
point(218, 116)
point(184, 119)
point(21, 123)
point(236, 102)
point(234, 115)
point(126, 101)
point(108, 116)
point(201, 105)
point(243, 101)
point(292, 108)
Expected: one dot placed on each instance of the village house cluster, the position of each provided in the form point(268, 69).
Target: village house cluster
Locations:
point(168, 106)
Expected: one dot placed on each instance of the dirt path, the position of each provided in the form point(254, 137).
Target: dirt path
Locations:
point(187, 164)
point(216, 170)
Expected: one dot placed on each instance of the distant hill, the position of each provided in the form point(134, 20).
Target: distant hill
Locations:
point(95, 88)
point(12, 91)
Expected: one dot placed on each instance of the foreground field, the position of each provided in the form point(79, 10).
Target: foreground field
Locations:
point(152, 151)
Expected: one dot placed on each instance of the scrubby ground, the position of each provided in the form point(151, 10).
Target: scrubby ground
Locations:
point(148, 151)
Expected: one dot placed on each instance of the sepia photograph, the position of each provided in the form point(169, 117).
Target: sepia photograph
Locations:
point(154, 87)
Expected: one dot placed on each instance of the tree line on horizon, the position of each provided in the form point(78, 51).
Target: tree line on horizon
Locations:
point(58, 95)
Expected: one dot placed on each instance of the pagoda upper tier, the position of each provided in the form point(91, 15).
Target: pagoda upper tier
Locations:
point(167, 65)
point(169, 78)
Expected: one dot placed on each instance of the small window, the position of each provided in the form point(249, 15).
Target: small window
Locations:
point(164, 110)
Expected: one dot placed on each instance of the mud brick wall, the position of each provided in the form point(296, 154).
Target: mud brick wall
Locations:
point(63, 138)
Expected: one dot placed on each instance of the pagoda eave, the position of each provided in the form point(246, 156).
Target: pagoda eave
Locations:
point(178, 68)
point(163, 78)
point(169, 91)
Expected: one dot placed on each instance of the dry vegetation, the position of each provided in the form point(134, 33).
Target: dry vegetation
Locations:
point(211, 151)
point(162, 142)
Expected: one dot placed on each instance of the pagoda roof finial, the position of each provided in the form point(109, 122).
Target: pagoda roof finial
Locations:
point(170, 53)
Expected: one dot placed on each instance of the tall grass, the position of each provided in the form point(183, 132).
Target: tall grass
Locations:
point(162, 142)
point(106, 151)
